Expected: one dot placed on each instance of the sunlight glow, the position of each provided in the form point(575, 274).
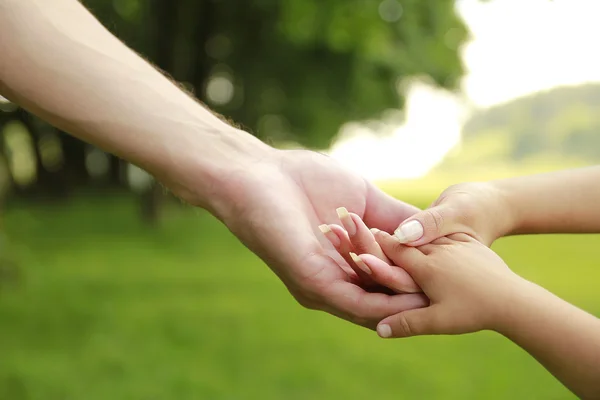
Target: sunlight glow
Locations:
point(517, 48)
point(413, 148)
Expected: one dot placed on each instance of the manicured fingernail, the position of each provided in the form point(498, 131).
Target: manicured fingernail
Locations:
point(347, 222)
point(409, 232)
point(330, 235)
point(385, 331)
point(360, 263)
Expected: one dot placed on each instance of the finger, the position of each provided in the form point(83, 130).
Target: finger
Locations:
point(367, 309)
point(389, 276)
point(424, 321)
point(363, 241)
point(383, 212)
point(371, 285)
point(330, 235)
point(360, 269)
point(411, 259)
point(336, 243)
point(428, 225)
point(346, 221)
point(345, 249)
point(342, 236)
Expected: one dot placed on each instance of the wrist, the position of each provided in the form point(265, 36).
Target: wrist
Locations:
point(210, 165)
point(521, 302)
point(505, 210)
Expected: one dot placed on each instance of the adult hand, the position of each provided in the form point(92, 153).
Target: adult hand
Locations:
point(478, 209)
point(272, 200)
point(275, 206)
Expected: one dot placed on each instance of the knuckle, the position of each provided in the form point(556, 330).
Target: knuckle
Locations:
point(397, 248)
point(404, 327)
point(436, 219)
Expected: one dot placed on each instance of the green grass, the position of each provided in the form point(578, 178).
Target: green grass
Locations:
point(106, 308)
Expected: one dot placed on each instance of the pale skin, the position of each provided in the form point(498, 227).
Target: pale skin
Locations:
point(353, 238)
point(556, 202)
point(61, 64)
point(471, 289)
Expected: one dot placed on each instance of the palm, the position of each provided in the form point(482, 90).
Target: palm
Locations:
point(283, 206)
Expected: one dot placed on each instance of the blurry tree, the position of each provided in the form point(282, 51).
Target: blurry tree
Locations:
point(295, 69)
point(288, 71)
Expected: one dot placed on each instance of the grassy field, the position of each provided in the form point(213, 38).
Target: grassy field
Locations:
point(105, 308)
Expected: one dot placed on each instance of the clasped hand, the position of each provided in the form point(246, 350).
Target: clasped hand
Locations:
point(465, 282)
point(274, 204)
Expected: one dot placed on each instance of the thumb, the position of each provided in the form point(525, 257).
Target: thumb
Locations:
point(427, 225)
point(422, 321)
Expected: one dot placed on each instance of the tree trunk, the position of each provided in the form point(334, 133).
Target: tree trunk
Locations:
point(74, 168)
point(49, 184)
point(203, 30)
point(115, 176)
point(151, 202)
point(8, 270)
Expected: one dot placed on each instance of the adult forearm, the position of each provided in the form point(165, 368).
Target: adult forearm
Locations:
point(60, 63)
point(563, 338)
point(559, 202)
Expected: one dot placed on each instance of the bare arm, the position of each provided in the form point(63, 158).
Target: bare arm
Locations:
point(471, 289)
point(558, 202)
point(562, 337)
point(60, 63)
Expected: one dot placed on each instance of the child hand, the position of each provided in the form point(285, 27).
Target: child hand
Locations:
point(468, 285)
point(356, 238)
point(480, 209)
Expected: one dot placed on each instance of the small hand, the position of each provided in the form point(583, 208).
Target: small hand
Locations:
point(477, 209)
point(468, 285)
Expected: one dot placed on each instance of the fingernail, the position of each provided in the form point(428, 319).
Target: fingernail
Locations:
point(325, 229)
point(409, 232)
point(384, 331)
point(330, 235)
point(347, 222)
point(374, 231)
point(360, 263)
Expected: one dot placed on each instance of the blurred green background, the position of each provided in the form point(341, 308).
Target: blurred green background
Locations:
point(110, 289)
point(104, 308)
